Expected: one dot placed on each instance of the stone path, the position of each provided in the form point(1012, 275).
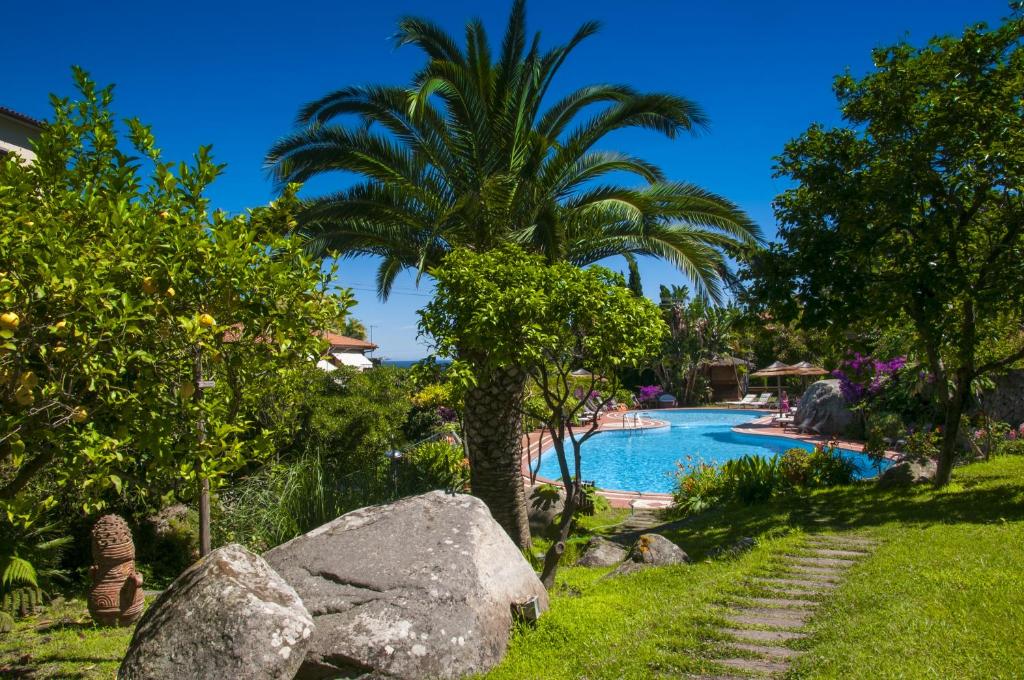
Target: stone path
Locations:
point(760, 629)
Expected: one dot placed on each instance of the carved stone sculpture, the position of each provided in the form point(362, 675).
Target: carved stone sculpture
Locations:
point(115, 598)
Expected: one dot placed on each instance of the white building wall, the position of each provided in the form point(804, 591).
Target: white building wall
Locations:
point(15, 136)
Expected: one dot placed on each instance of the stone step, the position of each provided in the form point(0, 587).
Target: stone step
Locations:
point(813, 572)
point(806, 584)
point(854, 542)
point(800, 615)
point(766, 650)
point(818, 561)
point(782, 603)
point(767, 621)
point(796, 594)
point(755, 665)
point(764, 635)
point(841, 554)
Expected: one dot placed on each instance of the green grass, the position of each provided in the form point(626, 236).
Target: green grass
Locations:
point(940, 598)
point(62, 642)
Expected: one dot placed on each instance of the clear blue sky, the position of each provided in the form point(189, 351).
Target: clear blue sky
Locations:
point(234, 74)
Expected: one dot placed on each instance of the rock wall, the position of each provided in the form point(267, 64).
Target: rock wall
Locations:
point(823, 409)
point(1006, 401)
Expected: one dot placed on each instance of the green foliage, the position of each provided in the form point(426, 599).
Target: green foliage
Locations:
point(472, 154)
point(507, 308)
point(29, 565)
point(336, 462)
point(116, 279)
point(910, 214)
point(752, 479)
point(434, 465)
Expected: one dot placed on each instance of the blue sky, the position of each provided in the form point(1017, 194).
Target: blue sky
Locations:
point(234, 74)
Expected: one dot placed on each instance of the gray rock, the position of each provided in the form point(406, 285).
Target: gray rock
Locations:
point(824, 410)
point(227, 616)
point(740, 546)
point(600, 552)
point(627, 567)
point(657, 551)
point(421, 588)
point(907, 473)
point(543, 507)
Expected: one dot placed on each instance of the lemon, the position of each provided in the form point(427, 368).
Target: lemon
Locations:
point(169, 292)
point(79, 415)
point(9, 320)
point(187, 390)
point(206, 321)
point(149, 285)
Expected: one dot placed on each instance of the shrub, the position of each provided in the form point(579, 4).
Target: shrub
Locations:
point(699, 488)
point(795, 466)
point(829, 468)
point(435, 465)
point(753, 479)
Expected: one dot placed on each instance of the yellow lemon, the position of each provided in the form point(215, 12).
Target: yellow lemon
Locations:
point(9, 320)
point(23, 395)
point(187, 390)
point(205, 320)
point(169, 292)
point(79, 415)
point(164, 214)
point(29, 379)
point(149, 285)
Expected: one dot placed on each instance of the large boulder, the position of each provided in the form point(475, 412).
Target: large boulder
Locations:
point(907, 473)
point(227, 616)
point(824, 410)
point(600, 552)
point(421, 588)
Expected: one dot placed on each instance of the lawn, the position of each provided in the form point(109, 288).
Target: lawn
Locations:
point(940, 597)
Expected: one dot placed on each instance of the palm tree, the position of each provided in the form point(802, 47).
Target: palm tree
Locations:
point(469, 155)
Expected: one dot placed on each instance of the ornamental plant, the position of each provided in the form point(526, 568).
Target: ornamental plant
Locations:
point(140, 328)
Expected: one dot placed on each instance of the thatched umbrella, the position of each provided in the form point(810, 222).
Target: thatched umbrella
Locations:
point(779, 369)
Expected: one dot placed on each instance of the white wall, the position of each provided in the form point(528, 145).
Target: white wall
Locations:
point(15, 136)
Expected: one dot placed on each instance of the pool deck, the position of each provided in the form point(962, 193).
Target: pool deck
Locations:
point(616, 420)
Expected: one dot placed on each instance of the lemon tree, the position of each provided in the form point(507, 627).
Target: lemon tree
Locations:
point(120, 290)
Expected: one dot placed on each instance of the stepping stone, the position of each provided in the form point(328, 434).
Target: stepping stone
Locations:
point(841, 554)
point(765, 650)
point(764, 635)
point(797, 583)
point(755, 665)
point(767, 621)
point(800, 615)
point(782, 602)
point(818, 561)
point(827, 573)
point(841, 539)
point(796, 594)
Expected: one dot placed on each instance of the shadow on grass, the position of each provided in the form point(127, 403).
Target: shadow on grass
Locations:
point(979, 494)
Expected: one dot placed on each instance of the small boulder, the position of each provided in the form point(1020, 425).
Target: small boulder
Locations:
point(600, 552)
point(545, 503)
point(651, 550)
point(657, 551)
point(420, 588)
point(907, 473)
point(227, 616)
point(742, 545)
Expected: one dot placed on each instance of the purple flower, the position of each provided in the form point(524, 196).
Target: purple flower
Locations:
point(649, 392)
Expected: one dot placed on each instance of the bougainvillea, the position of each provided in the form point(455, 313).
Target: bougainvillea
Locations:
point(649, 392)
point(861, 377)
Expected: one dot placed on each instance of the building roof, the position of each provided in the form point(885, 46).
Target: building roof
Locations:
point(339, 341)
point(21, 117)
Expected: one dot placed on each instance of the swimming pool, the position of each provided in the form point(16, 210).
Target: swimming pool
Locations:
point(645, 460)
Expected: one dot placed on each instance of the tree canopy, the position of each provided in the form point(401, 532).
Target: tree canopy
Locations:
point(475, 153)
point(912, 213)
point(119, 291)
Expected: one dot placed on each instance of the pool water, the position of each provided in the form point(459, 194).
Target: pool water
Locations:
point(648, 460)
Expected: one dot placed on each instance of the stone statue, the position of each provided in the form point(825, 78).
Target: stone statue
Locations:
point(115, 597)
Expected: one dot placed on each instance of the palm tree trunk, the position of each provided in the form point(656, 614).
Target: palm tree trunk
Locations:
point(493, 440)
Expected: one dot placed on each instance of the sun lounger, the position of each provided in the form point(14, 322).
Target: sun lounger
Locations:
point(745, 401)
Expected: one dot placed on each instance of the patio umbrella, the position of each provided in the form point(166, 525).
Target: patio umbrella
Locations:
point(808, 369)
point(779, 369)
